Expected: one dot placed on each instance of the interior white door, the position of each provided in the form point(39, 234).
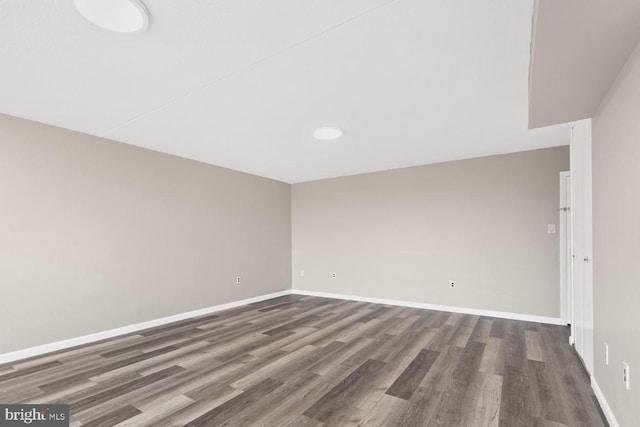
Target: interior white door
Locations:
point(582, 325)
point(566, 251)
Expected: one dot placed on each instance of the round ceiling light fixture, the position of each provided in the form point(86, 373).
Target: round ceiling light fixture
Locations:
point(119, 16)
point(327, 133)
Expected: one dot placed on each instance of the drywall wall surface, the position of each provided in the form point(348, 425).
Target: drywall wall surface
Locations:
point(616, 241)
point(96, 235)
point(404, 234)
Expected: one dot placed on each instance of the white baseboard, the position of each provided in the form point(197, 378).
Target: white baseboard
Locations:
point(464, 310)
point(72, 342)
point(603, 403)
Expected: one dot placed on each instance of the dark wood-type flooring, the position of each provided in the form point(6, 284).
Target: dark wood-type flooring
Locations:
point(307, 361)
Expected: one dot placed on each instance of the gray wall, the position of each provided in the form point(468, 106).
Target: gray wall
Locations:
point(616, 240)
point(96, 235)
point(404, 234)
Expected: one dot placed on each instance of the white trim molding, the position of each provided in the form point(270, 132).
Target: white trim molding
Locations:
point(608, 413)
point(464, 310)
point(85, 339)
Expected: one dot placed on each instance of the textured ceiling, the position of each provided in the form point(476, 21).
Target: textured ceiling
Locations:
point(242, 83)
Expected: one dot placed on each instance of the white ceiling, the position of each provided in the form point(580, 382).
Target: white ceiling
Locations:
point(579, 47)
point(242, 83)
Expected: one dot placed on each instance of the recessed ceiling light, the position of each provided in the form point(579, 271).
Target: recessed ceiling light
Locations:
point(120, 16)
point(327, 133)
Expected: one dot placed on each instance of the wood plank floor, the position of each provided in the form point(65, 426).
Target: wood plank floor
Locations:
point(307, 361)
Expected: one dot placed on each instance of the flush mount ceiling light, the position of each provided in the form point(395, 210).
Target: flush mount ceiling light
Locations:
point(120, 16)
point(327, 133)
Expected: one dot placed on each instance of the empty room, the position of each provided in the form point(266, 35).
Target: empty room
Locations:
point(319, 213)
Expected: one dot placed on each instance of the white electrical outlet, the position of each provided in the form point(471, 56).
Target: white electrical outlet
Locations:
point(626, 375)
point(606, 353)
point(237, 280)
point(333, 275)
point(301, 273)
point(551, 228)
point(452, 284)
